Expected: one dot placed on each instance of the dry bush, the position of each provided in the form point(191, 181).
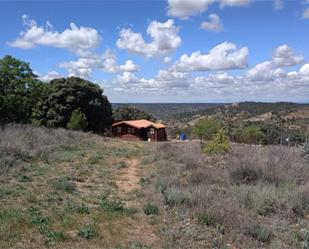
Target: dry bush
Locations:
point(24, 142)
point(239, 194)
point(272, 164)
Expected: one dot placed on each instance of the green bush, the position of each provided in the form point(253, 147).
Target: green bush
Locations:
point(151, 209)
point(219, 143)
point(78, 121)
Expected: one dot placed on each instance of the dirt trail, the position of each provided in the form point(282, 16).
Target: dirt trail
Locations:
point(129, 179)
point(140, 230)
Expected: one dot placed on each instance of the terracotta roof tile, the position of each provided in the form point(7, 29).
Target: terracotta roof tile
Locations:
point(141, 123)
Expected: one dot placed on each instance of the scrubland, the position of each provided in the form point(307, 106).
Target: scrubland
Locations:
point(66, 189)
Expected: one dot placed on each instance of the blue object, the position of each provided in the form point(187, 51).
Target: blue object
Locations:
point(182, 136)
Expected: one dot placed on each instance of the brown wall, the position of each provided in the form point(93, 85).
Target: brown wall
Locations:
point(158, 135)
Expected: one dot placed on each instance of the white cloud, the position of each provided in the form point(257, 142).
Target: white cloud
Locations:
point(285, 56)
point(304, 70)
point(214, 24)
point(234, 3)
point(224, 56)
point(79, 40)
point(167, 60)
point(278, 4)
point(50, 76)
point(165, 39)
point(305, 14)
point(128, 66)
point(84, 66)
point(186, 8)
point(80, 68)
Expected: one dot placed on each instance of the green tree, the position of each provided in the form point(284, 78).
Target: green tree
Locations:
point(20, 90)
point(78, 121)
point(130, 113)
point(68, 94)
point(252, 135)
point(218, 144)
point(205, 128)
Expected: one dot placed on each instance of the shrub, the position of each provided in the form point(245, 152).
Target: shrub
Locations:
point(259, 232)
point(88, 232)
point(64, 184)
point(219, 143)
point(151, 209)
point(174, 197)
point(244, 175)
point(78, 121)
point(207, 219)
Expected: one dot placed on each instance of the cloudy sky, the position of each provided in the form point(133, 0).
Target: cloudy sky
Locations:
point(167, 51)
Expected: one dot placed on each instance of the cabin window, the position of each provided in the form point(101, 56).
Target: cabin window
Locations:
point(119, 129)
point(152, 131)
point(131, 130)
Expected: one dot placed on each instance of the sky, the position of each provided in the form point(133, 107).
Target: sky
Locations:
point(166, 51)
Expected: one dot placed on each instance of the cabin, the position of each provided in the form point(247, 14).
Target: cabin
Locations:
point(142, 129)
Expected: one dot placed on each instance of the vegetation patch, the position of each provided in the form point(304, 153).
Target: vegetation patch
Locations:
point(151, 209)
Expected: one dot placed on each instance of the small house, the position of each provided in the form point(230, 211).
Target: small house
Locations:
point(139, 130)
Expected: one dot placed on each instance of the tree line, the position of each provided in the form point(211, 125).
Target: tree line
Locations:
point(72, 102)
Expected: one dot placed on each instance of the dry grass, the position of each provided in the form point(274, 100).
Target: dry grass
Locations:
point(59, 187)
point(252, 197)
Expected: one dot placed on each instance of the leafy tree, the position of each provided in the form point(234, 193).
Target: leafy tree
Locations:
point(252, 135)
point(130, 113)
point(20, 90)
point(68, 94)
point(218, 144)
point(78, 121)
point(205, 128)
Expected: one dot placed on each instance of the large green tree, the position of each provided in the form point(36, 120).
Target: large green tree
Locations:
point(205, 128)
point(130, 113)
point(69, 94)
point(20, 90)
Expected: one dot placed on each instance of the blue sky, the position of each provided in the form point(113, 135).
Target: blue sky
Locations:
point(193, 51)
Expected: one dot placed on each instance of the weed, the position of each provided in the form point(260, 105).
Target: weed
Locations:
point(88, 232)
point(144, 181)
point(64, 184)
point(79, 208)
point(207, 219)
point(259, 232)
point(151, 209)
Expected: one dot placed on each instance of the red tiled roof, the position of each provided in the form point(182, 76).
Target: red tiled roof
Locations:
point(141, 123)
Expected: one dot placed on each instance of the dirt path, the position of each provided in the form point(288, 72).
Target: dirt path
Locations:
point(129, 179)
point(140, 230)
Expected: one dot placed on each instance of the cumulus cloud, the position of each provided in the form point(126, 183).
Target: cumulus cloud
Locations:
point(224, 56)
point(234, 3)
point(285, 56)
point(214, 23)
point(77, 39)
point(165, 39)
point(265, 81)
point(185, 8)
point(305, 14)
point(50, 76)
point(83, 67)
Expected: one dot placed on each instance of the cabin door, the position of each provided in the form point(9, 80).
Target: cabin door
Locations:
point(144, 134)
